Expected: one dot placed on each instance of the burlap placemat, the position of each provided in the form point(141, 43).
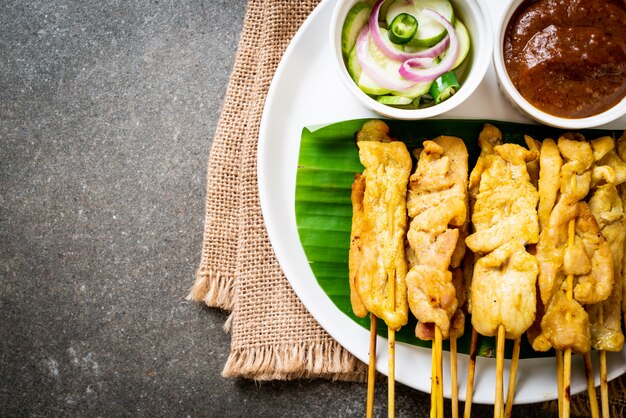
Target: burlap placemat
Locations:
point(273, 336)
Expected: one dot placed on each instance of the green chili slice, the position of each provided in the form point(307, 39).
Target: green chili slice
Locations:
point(444, 86)
point(402, 29)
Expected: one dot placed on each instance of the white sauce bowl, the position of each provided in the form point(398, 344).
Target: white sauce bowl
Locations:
point(514, 96)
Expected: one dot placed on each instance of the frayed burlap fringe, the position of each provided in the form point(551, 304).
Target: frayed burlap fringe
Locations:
point(228, 323)
point(213, 289)
point(295, 361)
point(580, 403)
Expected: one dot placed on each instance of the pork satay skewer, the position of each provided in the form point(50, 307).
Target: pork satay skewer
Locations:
point(548, 185)
point(437, 206)
point(567, 356)
point(556, 245)
point(377, 261)
point(488, 138)
point(533, 171)
point(505, 220)
point(355, 261)
point(571, 250)
point(606, 205)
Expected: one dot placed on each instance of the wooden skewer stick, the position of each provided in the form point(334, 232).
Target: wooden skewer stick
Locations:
point(498, 411)
point(433, 381)
point(371, 371)
point(453, 378)
point(567, 375)
point(471, 369)
point(438, 350)
point(392, 375)
point(391, 352)
point(604, 385)
point(512, 378)
point(567, 364)
point(567, 357)
point(591, 388)
point(559, 379)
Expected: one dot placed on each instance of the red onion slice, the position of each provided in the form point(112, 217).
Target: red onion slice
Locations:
point(387, 48)
point(372, 69)
point(413, 70)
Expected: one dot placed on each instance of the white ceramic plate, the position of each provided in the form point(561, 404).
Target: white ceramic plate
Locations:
point(306, 91)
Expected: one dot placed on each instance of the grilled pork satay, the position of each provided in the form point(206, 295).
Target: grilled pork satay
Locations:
point(619, 166)
point(533, 166)
point(550, 163)
point(606, 317)
point(499, 215)
point(594, 285)
point(565, 324)
point(505, 220)
point(377, 260)
point(620, 147)
point(557, 260)
point(622, 193)
point(548, 185)
point(356, 248)
point(488, 138)
point(606, 205)
point(437, 205)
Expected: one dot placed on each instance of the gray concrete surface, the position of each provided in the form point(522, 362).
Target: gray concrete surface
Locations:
point(107, 110)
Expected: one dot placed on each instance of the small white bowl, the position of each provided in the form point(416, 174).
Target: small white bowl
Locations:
point(514, 96)
point(475, 16)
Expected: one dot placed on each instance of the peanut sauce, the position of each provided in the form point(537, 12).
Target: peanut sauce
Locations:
point(568, 57)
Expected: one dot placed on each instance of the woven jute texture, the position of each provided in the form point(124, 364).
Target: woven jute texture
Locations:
point(273, 336)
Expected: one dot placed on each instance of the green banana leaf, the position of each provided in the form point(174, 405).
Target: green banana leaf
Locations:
point(327, 163)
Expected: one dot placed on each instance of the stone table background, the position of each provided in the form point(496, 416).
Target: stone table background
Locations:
point(107, 110)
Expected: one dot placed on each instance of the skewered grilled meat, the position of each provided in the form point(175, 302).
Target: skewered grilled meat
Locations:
point(505, 220)
point(377, 262)
point(437, 205)
point(586, 256)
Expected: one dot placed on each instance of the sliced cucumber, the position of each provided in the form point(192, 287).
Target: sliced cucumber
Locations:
point(354, 68)
point(394, 100)
point(369, 86)
point(416, 91)
point(390, 68)
point(355, 20)
point(464, 42)
point(429, 31)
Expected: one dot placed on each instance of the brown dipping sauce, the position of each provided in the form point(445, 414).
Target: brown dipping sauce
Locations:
point(568, 57)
